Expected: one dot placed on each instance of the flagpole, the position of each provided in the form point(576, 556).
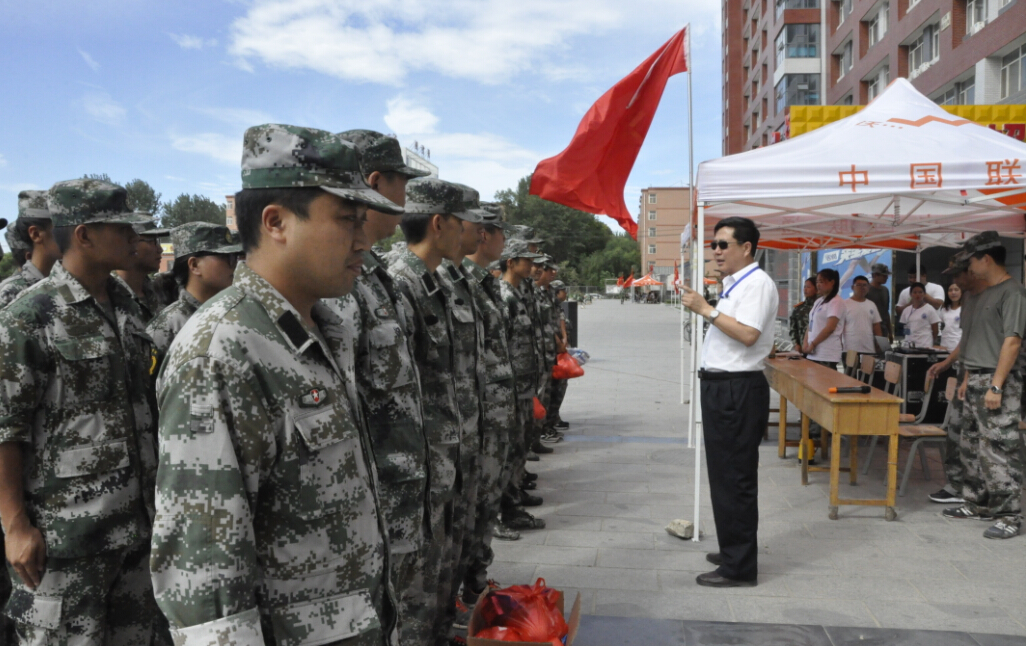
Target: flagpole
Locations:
point(696, 419)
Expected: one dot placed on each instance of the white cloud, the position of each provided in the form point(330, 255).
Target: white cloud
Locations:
point(218, 147)
point(406, 117)
point(89, 60)
point(241, 117)
point(3, 161)
point(185, 41)
point(484, 40)
point(103, 108)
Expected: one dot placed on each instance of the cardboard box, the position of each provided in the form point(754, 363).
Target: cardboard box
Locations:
point(477, 623)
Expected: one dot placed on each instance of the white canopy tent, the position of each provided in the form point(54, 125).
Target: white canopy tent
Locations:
point(900, 174)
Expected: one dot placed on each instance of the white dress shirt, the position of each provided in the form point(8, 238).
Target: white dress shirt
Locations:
point(750, 296)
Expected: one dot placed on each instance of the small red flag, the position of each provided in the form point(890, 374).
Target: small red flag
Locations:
point(630, 280)
point(619, 282)
point(591, 173)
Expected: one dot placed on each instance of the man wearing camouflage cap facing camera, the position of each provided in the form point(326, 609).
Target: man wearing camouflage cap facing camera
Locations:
point(205, 259)
point(32, 245)
point(268, 530)
point(77, 448)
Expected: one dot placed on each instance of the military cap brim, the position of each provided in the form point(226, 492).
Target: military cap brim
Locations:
point(367, 196)
point(522, 254)
point(411, 172)
point(156, 233)
point(120, 218)
point(956, 267)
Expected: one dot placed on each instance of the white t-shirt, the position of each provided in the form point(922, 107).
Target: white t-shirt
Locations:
point(749, 296)
point(951, 333)
point(830, 348)
point(858, 326)
point(919, 322)
point(932, 289)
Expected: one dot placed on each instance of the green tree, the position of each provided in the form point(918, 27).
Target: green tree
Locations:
point(620, 257)
point(392, 240)
point(7, 266)
point(191, 208)
point(142, 197)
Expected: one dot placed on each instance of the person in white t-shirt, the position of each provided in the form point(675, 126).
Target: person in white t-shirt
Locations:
point(951, 318)
point(823, 338)
point(934, 293)
point(861, 322)
point(920, 319)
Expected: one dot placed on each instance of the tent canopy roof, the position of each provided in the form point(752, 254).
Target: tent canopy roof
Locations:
point(646, 281)
point(900, 174)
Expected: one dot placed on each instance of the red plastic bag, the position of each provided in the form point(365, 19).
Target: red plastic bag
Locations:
point(539, 410)
point(529, 612)
point(566, 367)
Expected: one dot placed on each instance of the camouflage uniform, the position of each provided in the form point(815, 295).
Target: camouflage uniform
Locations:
point(77, 397)
point(188, 239)
point(31, 204)
point(267, 528)
point(150, 303)
point(557, 390)
point(390, 396)
point(800, 321)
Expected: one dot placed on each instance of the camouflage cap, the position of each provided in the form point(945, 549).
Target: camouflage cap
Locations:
point(543, 259)
point(494, 216)
point(550, 264)
point(32, 204)
point(558, 285)
point(204, 237)
point(14, 241)
point(977, 243)
point(526, 234)
point(90, 201)
point(472, 201)
point(149, 229)
point(280, 156)
point(428, 195)
point(380, 153)
point(517, 248)
point(880, 268)
point(956, 265)
point(493, 265)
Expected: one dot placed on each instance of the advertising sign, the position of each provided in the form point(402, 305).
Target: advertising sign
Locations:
point(850, 263)
point(1009, 119)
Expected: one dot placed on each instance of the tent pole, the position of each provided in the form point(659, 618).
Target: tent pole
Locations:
point(696, 332)
point(681, 306)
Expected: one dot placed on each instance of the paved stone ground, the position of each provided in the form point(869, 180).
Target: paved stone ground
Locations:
point(625, 471)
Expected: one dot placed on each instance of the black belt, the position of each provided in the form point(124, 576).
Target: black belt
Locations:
point(723, 376)
point(980, 371)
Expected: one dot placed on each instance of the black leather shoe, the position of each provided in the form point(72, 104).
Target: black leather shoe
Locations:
point(529, 486)
point(715, 558)
point(527, 500)
point(532, 456)
point(530, 477)
point(714, 580)
point(540, 448)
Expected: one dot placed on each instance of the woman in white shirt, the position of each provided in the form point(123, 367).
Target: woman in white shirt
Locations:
point(921, 321)
point(823, 338)
point(951, 317)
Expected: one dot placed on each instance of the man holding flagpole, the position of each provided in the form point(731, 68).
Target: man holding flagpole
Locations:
point(735, 397)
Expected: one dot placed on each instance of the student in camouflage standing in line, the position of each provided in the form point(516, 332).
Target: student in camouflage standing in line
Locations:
point(800, 313)
point(205, 259)
point(147, 261)
point(389, 385)
point(518, 264)
point(432, 226)
point(77, 448)
point(268, 529)
point(32, 232)
point(558, 390)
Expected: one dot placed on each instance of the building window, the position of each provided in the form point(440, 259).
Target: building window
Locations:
point(844, 60)
point(795, 4)
point(1013, 72)
point(652, 200)
point(962, 93)
point(911, 3)
point(229, 221)
point(975, 16)
point(651, 232)
point(843, 11)
point(848, 100)
point(797, 41)
point(875, 86)
point(797, 89)
point(924, 51)
point(877, 25)
point(651, 214)
point(651, 248)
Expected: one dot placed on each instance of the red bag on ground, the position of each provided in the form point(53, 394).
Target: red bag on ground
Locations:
point(528, 612)
point(539, 410)
point(566, 367)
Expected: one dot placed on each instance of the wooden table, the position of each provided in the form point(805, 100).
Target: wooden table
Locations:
point(805, 384)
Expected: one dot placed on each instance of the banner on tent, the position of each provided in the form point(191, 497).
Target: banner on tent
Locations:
point(850, 263)
point(1009, 119)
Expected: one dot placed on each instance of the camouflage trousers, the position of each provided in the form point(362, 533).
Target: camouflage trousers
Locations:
point(102, 600)
point(418, 615)
point(493, 474)
point(538, 426)
point(990, 448)
point(954, 469)
point(557, 391)
point(518, 450)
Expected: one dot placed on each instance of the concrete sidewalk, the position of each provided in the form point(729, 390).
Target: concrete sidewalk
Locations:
point(625, 471)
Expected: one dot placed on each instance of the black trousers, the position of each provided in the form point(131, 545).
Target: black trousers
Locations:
point(735, 413)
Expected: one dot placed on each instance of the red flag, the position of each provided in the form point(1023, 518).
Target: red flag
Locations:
point(630, 280)
point(676, 278)
point(591, 173)
point(619, 282)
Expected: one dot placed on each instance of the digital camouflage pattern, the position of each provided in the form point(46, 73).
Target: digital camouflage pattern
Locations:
point(990, 448)
point(430, 196)
point(165, 326)
point(267, 527)
point(19, 282)
point(150, 303)
point(204, 237)
point(149, 229)
point(14, 241)
point(282, 156)
point(90, 201)
point(32, 204)
point(381, 153)
point(800, 321)
point(524, 359)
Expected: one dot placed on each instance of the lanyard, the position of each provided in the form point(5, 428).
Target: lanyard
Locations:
point(739, 281)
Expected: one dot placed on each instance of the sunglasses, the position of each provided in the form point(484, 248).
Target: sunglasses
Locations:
point(721, 244)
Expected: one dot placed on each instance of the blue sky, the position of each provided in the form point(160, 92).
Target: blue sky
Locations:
point(163, 91)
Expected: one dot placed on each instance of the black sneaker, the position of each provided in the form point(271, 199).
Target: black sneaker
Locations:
point(945, 496)
point(528, 486)
point(540, 448)
point(964, 513)
point(528, 500)
point(503, 533)
point(530, 477)
point(533, 457)
point(1003, 528)
point(521, 520)
point(561, 425)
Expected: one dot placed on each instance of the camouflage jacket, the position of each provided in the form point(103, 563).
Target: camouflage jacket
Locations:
point(19, 282)
point(390, 394)
point(267, 528)
point(170, 321)
point(76, 392)
point(549, 322)
point(522, 341)
point(529, 296)
point(433, 352)
point(151, 303)
point(800, 321)
point(495, 319)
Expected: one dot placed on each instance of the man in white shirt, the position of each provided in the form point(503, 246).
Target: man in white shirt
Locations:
point(861, 319)
point(735, 397)
point(934, 293)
